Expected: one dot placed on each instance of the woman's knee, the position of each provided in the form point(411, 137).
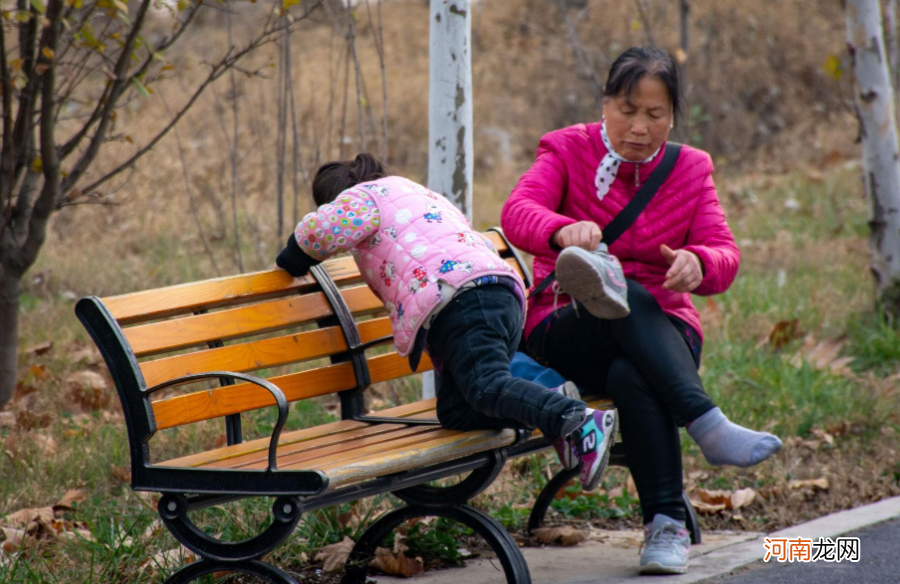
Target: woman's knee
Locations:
point(639, 298)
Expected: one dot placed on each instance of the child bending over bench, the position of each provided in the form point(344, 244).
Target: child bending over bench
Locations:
point(449, 293)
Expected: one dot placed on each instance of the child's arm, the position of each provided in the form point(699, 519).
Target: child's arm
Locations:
point(331, 229)
point(293, 260)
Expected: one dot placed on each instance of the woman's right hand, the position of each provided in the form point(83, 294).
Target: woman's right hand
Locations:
point(584, 234)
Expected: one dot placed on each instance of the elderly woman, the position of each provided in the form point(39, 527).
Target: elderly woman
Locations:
point(679, 244)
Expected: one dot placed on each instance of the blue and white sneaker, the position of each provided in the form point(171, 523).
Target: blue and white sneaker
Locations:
point(591, 442)
point(563, 447)
point(665, 548)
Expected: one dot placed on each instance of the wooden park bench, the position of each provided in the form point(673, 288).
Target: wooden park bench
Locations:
point(220, 330)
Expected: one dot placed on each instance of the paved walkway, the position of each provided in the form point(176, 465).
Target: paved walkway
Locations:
point(611, 557)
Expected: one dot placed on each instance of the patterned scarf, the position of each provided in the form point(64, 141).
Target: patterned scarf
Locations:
point(609, 166)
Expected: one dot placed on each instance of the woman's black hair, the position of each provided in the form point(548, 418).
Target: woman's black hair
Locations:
point(333, 178)
point(637, 62)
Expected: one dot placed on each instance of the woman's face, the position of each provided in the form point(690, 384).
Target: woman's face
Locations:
point(638, 124)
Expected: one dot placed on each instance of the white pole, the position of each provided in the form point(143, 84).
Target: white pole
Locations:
point(450, 111)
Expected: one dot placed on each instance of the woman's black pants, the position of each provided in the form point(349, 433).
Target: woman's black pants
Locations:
point(647, 363)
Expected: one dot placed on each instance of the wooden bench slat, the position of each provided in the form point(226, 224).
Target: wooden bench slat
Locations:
point(288, 453)
point(261, 445)
point(441, 446)
point(498, 242)
point(233, 399)
point(173, 300)
point(340, 448)
point(273, 315)
point(262, 354)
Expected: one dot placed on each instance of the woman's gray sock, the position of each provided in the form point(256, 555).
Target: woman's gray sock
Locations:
point(724, 442)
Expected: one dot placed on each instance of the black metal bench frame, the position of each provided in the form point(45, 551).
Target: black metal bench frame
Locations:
point(299, 492)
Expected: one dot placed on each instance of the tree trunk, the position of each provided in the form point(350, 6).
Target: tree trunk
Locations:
point(880, 152)
point(450, 157)
point(10, 287)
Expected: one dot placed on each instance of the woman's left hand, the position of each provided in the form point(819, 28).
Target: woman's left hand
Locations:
point(686, 271)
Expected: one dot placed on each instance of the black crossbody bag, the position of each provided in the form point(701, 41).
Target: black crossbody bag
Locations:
point(635, 207)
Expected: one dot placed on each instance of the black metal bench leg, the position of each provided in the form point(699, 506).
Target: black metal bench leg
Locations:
point(261, 570)
point(692, 523)
point(493, 533)
point(226, 555)
point(562, 478)
point(548, 494)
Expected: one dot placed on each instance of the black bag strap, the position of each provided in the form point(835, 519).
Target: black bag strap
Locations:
point(635, 206)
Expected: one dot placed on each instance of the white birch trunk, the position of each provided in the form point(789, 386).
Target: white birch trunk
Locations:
point(880, 152)
point(450, 111)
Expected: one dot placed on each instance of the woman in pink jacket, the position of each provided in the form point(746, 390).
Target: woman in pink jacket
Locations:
point(448, 292)
point(680, 244)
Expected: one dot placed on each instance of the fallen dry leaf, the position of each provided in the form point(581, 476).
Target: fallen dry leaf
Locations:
point(630, 487)
point(121, 473)
point(706, 508)
point(820, 483)
point(742, 498)
point(823, 355)
point(88, 389)
point(12, 539)
point(714, 497)
point(45, 444)
point(39, 349)
point(334, 556)
point(564, 535)
point(782, 333)
point(87, 355)
point(23, 518)
point(28, 420)
point(398, 565)
point(7, 419)
point(71, 497)
point(22, 391)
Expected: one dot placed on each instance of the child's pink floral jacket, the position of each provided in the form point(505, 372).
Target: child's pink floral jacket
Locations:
point(407, 241)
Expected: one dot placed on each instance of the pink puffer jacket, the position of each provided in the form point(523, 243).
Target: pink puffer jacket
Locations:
point(407, 241)
point(559, 190)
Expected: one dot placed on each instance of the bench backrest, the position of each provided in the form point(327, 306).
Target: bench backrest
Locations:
point(247, 323)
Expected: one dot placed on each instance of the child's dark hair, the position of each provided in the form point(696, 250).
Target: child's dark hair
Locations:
point(637, 62)
point(333, 178)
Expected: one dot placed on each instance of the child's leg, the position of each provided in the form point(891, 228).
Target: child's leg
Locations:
point(524, 367)
point(474, 339)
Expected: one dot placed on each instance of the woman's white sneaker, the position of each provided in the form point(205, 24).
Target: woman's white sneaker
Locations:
point(665, 548)
point(594, 279)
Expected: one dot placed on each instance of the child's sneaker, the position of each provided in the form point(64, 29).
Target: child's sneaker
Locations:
point(665, 547)
point(592, 441)
point(594, 279)
point(563, 447)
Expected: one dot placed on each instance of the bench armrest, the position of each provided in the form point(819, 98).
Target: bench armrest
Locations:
point(280, 401)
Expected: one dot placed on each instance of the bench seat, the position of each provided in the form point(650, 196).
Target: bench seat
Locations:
point(349, 451)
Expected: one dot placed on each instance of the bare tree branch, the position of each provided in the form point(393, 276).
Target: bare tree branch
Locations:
point(216, 71)
point(43, 207)
point(7, 150)
point(239, 258)
point(587, 70)
point(379, 47)
point(642, 14)
point(190, 193)
point(112, 96)
point(351, 35)
point(28, 97)
point(76, 139)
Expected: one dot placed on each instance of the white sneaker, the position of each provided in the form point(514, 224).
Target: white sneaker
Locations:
point(665, 548)
point(594, 279)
